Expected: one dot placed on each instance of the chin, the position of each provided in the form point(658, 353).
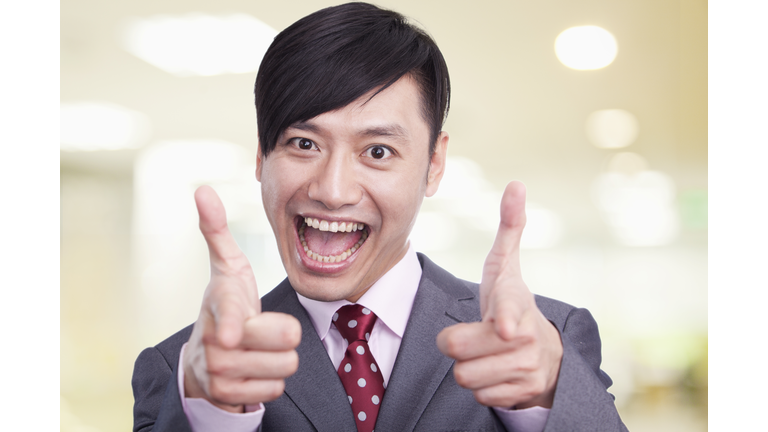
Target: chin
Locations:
point(320, 288)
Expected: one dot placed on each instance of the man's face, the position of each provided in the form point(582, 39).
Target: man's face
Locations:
point(365, 165)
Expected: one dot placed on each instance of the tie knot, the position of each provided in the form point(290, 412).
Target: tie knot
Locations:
point(354, 322)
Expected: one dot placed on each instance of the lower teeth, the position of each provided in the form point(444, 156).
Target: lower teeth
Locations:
point(333, 258)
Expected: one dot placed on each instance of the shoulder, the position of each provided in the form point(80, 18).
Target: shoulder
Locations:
point(173, 344)
point(555, 310)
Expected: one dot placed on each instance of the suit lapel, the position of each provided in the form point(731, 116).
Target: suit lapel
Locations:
point(315, 388)
point(420, 367)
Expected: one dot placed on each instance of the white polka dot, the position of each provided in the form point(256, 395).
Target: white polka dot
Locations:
point(367, 336)
point(335, 316)
point(373, 367)
point(350, 398)
point(347, 367)
point(361, 382)
point(361, 415)
point(374, 399)
point(352, 323)
point(360, 350)
point(366, 311)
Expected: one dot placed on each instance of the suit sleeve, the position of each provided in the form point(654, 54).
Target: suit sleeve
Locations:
point(582, 401)
point(157, 404)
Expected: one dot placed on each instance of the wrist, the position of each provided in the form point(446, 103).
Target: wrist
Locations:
point(544, 400)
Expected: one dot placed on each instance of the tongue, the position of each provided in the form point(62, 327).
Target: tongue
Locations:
point(328, 243)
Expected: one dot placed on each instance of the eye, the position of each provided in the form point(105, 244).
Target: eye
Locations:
point(379, 152)
point(304, 144)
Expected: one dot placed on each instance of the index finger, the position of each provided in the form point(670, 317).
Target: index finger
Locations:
point(466, 341)
point(213, 224)
point(271, 331)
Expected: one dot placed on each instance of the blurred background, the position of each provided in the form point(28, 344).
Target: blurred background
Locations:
point(599, 107)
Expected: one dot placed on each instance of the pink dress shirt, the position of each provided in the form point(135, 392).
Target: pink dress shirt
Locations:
point(391, 299)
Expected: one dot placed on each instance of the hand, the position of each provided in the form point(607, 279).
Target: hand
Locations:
point(512, 357)
point(236, 355)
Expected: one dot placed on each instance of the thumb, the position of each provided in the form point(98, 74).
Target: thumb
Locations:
point(512, 221)
point(227, 259)
point(503, 261)
point(213, 224)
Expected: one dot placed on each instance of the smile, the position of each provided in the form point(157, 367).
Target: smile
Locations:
point(333, 242)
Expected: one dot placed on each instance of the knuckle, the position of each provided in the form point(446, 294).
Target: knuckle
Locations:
point(218, 364)
point(539, 386)
point(209, 338)
point(292, 333)
point(242, 268)
point(525, 336)
point(275, 390)
point(483, 397)
point(217, 390)
point(462, 376)
point(532, 388)
point(454, 345)
point(291, 363)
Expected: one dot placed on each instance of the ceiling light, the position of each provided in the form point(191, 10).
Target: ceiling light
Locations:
point(89, 126)
point(196, 44)
point(543, 228)
point(612, 128)
point(586, 47)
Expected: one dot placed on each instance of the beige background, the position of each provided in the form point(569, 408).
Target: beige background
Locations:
point(517, 113)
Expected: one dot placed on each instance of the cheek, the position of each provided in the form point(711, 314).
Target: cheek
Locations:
point(271, 190)
point(399, 198)
point(279, 187)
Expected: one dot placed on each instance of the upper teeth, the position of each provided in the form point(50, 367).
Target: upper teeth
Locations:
point(324, 225)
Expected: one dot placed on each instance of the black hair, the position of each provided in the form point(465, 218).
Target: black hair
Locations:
point(334, 56)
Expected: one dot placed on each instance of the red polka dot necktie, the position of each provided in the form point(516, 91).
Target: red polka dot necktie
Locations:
point(358, 371)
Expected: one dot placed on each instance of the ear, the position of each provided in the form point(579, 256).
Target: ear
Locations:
point(258, 163)
point(437, 164)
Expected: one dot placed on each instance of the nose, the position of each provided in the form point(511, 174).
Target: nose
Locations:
point(335, 184)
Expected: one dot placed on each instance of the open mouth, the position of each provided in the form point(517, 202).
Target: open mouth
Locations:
point(330, 241)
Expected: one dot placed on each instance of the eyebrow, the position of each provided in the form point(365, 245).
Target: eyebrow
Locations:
point(392, 130)
point(305, 126)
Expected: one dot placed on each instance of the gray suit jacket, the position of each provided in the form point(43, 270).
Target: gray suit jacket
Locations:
point(422, 394)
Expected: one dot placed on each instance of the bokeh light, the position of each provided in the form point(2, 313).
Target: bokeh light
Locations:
point(612, 128)
point(90, 126)
point(543, 228)
point(199, 44)
point(468, 201)
point(637, 204)
point(586, 47)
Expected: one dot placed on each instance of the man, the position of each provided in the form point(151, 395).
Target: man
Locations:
point(364, 332)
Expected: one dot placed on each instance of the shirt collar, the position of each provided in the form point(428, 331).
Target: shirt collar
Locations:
point(390, 298)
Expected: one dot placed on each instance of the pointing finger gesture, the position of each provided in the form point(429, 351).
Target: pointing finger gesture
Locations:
point(239, 297)
point(236, 355)
point(512, 357)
